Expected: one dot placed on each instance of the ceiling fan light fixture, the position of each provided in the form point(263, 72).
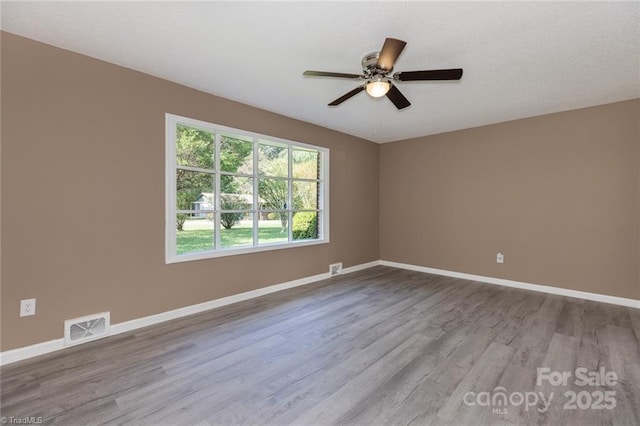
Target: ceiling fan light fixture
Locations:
point(378, 87)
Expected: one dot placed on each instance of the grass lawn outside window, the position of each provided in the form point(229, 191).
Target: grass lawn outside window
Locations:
point(197, 236)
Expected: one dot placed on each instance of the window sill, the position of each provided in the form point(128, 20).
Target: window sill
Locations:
point(212, 254)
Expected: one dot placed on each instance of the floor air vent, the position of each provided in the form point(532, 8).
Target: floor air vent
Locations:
point(85, 329)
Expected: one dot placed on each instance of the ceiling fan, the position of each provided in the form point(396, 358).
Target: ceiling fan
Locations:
point(376, 70)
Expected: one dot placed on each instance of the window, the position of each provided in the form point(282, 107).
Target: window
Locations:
point(231, 192)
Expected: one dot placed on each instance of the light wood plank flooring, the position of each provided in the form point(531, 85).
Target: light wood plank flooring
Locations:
point(380, 346)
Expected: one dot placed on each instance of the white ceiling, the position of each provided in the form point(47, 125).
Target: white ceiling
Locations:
point(519, 59)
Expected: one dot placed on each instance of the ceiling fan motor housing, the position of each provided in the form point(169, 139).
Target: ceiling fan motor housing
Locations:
point(369, 68)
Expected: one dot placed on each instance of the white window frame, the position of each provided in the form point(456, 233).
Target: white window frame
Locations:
point(171, 256)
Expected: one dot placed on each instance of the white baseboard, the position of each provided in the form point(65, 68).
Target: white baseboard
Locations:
point(360, 267)
point(631, 303)
point(19, 354)
point(13, 355)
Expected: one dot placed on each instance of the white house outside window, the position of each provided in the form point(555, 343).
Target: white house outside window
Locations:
point(229, 191)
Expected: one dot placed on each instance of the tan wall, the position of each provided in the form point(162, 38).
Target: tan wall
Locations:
point(83, 194)
point(557, 194)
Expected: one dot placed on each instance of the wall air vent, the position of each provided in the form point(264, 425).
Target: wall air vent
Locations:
point(86, 329)
point(335, 269)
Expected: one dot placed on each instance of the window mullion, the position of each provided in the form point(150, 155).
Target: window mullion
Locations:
point(320, 196)
point(193, 169)
point(290, 191)
point(171, 189)
point(256, 218)
point(216, 191)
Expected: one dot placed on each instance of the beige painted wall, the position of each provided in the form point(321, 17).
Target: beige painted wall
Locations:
point(558, 194)
point(83, 194)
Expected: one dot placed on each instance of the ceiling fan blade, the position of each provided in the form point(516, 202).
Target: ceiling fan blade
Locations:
point(331, 74)
point(390, 51)
point(346, 96)
point(397, 98)
point(451, 74)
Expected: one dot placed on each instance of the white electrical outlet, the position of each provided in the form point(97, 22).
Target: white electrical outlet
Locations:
point(499, 258)
point(27, 307)
point(335, 269)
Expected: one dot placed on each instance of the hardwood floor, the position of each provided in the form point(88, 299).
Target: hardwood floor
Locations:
point(380, 346)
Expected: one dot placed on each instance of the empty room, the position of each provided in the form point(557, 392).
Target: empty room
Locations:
point(320, 213)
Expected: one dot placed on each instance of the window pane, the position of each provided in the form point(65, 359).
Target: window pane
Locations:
point(194, 190)
point(305, 226)
point(237, 193)
point(236, 154)
point(273, 193)
point(240, 233)
point(197, 233)
point(194, 147)
point(306, 164)
point(230, 204)
point(273, 160)
point(305, 195)
point(273, 227)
